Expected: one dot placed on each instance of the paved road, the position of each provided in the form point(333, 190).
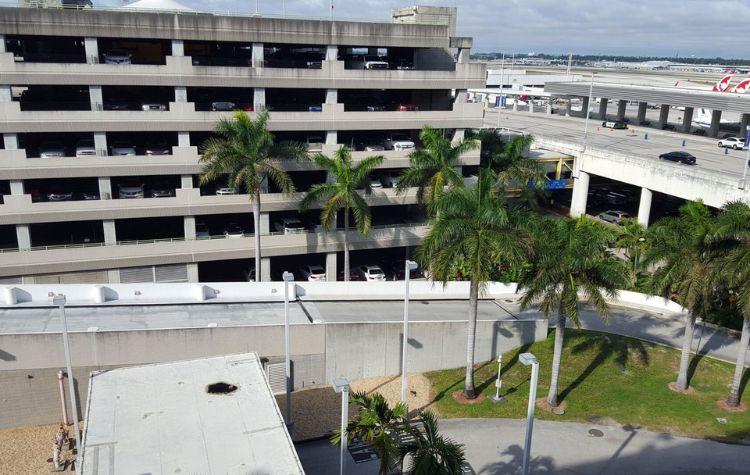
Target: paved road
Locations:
point(709, 156)
point(495, 446)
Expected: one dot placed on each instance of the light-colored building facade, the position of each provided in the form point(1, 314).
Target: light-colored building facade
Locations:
point(99, 105)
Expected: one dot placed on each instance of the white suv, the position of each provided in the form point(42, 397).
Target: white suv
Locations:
point(371, 273)
point(51, 150)
point(735, 143)
point(313, 273)
point(289, 226)
point(85, 148)
point(129, 192)
point(398, 141)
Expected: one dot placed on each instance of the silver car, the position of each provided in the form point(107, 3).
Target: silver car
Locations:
point(51, 150)
point(614, 216)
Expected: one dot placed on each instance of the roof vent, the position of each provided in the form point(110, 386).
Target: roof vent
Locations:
point(221, 388)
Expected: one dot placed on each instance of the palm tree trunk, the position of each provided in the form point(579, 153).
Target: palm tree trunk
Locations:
point(734, 394)
point(556, 358)
point(687, 343)
point(471, 336)
point(346, 244)
point(256, 234)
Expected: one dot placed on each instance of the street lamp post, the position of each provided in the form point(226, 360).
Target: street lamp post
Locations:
point(60, 300)
point(287, 277)
point(341, 385)
point(408, 267)
point(529, 359)
point(588, 111)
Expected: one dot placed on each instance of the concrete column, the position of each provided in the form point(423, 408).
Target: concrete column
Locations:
point(2, 43)
point(5, 93)
point(580, 195)
point(515, 102)
point(464, 55)
point(603, 103)
point(16, 187)
point(258, 55)
point(331, 272)
point(644, 206)
point(744, 122)
point(641, 117)
point(95, 98)
point(192, 272)
point(183, 139)
point(622, 107)
point(110, 233)
point(189, 227)
point(259, 98)
point(265, 224)
point(585, 107)
point(105, 188)
point(458, 135)
point(91, 47)
point(549, 107)
point(23, 236)
point(713, 131)
point(10, 141)
point(178, 48)
point(530, 102)
point(461, 96)
point(113, 276)
point(180, 94)
point(332, 96)
point(687, 120)
point(100, 143)
point(186, 181)
point(332, 53)
point(663, 115)
point(332, 137)
point(265, 269)
point(568, 107)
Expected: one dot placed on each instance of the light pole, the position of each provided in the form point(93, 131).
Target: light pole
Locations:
point(408, 267)
point(588, 111)
point(529, 359)
point(341, 385)
point(287, 277)
point(60, 300)
point(747, 155)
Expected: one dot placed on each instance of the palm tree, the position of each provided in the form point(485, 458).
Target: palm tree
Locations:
point(515, 170)
point(632, 238)
point(343, 193)
point(430, 452)
point(472, 225)
point(435, 167)
point(681, 249)
point(732, 236)
point(377, 424)
point(571, 258)
point(244, 152)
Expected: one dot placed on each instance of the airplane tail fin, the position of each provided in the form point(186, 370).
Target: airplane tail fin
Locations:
point(742, 87)
point(723, 84)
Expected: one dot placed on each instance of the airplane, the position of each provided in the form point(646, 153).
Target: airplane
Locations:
point(723, 85)
point(702, 118)
point(742, 87)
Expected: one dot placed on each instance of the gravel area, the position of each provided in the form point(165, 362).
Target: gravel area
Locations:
point(27, 449)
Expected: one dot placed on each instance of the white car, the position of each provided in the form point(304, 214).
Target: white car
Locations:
point(118, 57)
point(289, 226)
point(130, 192)
point(121, 150)
point(614, 216)
point(85, 148)
point(234, 230)
point(735, 143)
point(374, 62)
point(398, 141)
point(376, 184)
point(225, 190)
point(51, 150)
point(371, 273)
point(249, 274)
point(374, 148)
point(153, 106)
point(313, 273)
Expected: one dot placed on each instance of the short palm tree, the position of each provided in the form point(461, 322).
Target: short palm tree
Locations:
point(344, 192)
point(681, 249)
point(571, 259)
point(245, 152)
point(433, 169)
point(472, 225)
point(632, 238)
point(377, 424)
point(429, 452)
point(515, 170)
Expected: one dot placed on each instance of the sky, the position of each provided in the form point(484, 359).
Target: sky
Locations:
point(703, 28)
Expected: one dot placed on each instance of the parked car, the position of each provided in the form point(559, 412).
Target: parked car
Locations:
point(223, 106)
point(407, 108)
point(682, 157)
point(130, 192)
point(225, 190)
point(373, 148)
point(249, 108)
point(314, 108)
point(121, 149)
point(77, 4)
point(153, 106)
point(117, 105)
point(614, 216)
point(614, 198)
point(735, 143)
point(390, 180)
point(371, 273)
point(249, 273)
point(398, 141)
point(376, 184)
point(667, 127)
point(202, 231)
point(396, 268)
point(375, 108)
point(51, 150)
point(353, 275)
point(160, 148)
point(89, 195)
point(289, 226)
point(85, 148)
point(118, 57)
point(234, 230)
point(162, 192)
point(313, 273)
point(616, 124)
point(60, 196)
point(375, 62)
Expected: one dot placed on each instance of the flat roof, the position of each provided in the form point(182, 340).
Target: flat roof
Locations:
point(160, 418)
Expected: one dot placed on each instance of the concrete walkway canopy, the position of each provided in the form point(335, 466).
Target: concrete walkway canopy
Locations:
point(159, 5)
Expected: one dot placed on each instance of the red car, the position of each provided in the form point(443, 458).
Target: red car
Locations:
point(407, 108)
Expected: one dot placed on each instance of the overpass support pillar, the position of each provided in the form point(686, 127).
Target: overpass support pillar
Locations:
point(621, 109)
point(331, 267)
point(713, 131)
point(580, 195)
point(641, 117)
point(603, 103)
point(744, 122)
point(585, 106)
point(663, 115)
point(549, 107)
point(687, 120)
point(644, 206)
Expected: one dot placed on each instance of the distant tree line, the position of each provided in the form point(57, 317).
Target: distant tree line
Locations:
point(578, 59)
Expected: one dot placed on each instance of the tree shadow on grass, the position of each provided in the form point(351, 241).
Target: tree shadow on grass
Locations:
point(504, 369)
point(608, 346)
point(441, 394)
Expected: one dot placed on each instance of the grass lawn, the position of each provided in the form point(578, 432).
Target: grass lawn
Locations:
point(606, 376)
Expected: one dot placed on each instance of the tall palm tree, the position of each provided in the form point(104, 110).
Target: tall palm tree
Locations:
point(515, 170)
point(571, 258)
point(377, 424)
point(433, 169)
point(475, 226)
point(732, 237)
point(344, 192)
point(431, 453)
point(245, 152)
point(681, 249)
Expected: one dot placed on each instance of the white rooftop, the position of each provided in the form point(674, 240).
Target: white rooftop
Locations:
point(161, 419)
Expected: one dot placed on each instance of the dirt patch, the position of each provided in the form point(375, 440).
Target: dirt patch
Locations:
point(722, 403)
point(689, 391)
point(460, 398)
point(27, 449)
point(559, 410)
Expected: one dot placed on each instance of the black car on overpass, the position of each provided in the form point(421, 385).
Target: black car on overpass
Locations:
point(682, 157)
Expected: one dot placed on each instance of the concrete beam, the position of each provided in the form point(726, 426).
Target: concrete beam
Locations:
point(687, 120)
point(641, 117)
point(332, 53)
point(622, 107)
point(331, 272)
point(713, 131)
point(332, 96)
point(644, 206)
point(186, 181)
point(663, 115)
point(332, 137)
point(568, 107)
point(603, 103)
point(463, 55)
point(2, 43)
point(580, 194)
point(585, 107)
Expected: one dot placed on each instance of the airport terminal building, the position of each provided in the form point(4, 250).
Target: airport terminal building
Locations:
point(103, 114)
